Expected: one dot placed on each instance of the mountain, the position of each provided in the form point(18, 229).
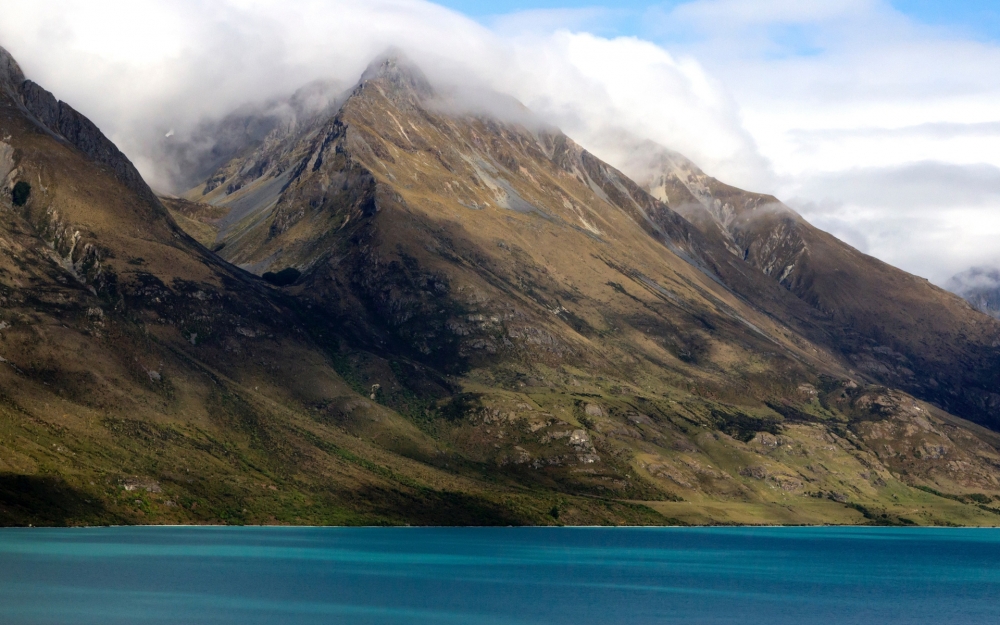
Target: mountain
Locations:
point(673, 341)
point(192, 156)
point(145, 380)
point(392, 308)
point(894, 328)
point(980, 286)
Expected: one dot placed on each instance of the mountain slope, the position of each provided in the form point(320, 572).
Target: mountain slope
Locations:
point(892, 327)
point(535, 310)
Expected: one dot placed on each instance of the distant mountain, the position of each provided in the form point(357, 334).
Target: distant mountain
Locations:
point(399, 309)
point(980, 286)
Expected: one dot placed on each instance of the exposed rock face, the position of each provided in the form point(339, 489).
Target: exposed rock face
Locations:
point(11, 76)
point(6, 164)
point(213, 143)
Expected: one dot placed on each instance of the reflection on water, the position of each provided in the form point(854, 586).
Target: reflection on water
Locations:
point(112, 576)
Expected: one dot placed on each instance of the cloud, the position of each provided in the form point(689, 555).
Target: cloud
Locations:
point(141, 69)
point(909, 188)
point(941, 130)
point(605, 92)
point(879, 128)
point(935, 219)
point(977, 279)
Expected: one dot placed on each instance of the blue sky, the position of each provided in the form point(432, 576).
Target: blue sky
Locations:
point(978, 19)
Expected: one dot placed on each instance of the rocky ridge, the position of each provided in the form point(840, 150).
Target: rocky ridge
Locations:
point(895, 328)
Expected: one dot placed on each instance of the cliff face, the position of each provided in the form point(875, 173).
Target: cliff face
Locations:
point(986, 301)
point(66, 123)
point(11, 76)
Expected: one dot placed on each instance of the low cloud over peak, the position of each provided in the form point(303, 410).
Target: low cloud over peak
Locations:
point(201, 59)
point(877, 127)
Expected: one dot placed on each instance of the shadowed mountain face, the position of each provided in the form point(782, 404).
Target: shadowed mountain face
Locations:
point(462, 318)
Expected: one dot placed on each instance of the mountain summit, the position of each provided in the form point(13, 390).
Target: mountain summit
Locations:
point(398, 74)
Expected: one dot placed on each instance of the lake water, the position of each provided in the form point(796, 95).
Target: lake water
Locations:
point(482, 576)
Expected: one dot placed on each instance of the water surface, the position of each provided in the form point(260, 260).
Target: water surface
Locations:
point(112, 576)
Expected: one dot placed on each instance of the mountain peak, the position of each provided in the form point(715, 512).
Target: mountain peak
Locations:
point(395, 70)
point(11, 75)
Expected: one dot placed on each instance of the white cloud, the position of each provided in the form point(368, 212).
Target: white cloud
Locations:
point(837, 104)
point(976, 279)
point(141, 69)
point(880, 129)
point(934, 218)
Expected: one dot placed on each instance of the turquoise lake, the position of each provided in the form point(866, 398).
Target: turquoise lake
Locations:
point(482, 576)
